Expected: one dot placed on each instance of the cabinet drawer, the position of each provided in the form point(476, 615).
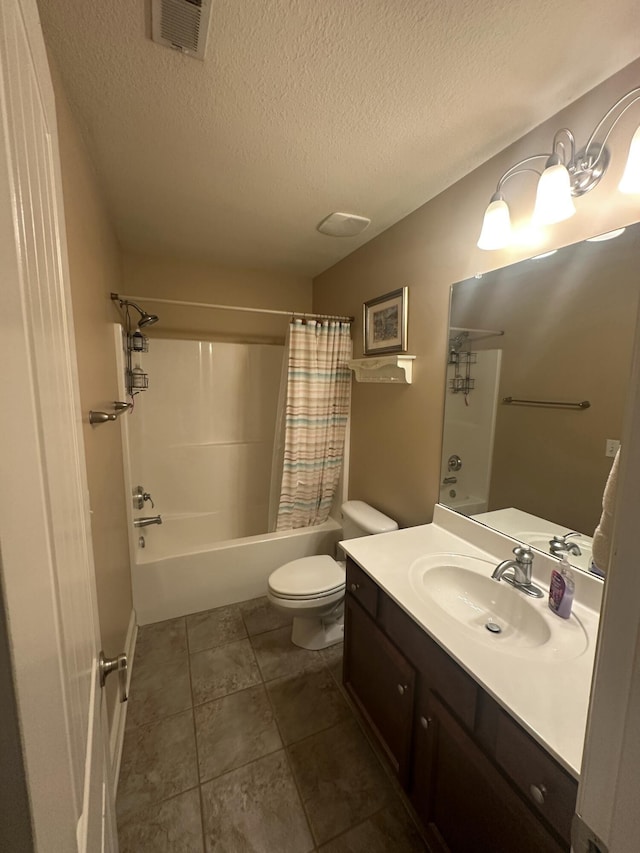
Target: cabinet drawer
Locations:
point(443, 675)
point(362, 588)
point(547, 786)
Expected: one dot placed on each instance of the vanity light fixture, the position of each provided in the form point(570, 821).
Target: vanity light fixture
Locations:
point(567, 174)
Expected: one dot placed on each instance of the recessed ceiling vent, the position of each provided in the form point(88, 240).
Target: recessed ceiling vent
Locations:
point(343, 224)
point(181, 24)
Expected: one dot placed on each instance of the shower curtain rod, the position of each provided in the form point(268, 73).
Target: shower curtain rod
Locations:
point(180, 302)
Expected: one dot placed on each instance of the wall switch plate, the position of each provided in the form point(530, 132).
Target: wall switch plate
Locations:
point(611, 447)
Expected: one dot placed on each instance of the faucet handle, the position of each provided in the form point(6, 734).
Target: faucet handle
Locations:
point(523, 554)
point(140, 496)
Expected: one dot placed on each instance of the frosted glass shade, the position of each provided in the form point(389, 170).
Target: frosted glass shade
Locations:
point(630, 182)
point(496, 226)
point(553, 199)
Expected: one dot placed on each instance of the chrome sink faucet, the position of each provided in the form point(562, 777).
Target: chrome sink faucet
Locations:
point(521, 566)
point(559, 545)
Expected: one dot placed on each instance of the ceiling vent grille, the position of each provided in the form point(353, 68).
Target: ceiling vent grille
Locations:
point(181, 24)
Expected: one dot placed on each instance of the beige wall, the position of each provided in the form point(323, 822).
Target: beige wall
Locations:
point(396, 431)
point(196, 281)
point(95, 270)
point(568, 323)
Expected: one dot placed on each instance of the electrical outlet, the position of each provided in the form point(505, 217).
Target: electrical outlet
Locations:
point(611, 447)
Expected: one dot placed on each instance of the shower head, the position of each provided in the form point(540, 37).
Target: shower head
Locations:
point(145, 319)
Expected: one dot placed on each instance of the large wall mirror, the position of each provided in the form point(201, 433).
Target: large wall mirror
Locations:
point(539, 360)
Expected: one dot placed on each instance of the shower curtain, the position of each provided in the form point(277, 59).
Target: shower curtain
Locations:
point(313, 413)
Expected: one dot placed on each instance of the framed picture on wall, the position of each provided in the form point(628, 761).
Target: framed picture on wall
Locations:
point(385, 323)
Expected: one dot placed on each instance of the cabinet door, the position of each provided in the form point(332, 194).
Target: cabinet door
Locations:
point(381, 683)
point(463, 800)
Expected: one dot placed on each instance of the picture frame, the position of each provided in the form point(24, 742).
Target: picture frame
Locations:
point(385, 321)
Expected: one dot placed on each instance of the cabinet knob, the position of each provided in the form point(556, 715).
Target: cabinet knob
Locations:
point(355, 587)
point(538, 792)
point(402, 688)
point(425, 722)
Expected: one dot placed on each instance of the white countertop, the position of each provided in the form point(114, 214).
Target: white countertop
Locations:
point(548, 697)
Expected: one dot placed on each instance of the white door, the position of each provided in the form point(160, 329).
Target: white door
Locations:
point(48, 583)
point(609, 792)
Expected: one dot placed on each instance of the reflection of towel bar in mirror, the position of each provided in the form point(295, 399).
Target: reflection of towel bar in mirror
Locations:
point(553, 404)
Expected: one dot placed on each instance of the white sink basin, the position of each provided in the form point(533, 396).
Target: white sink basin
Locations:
point(461, 589)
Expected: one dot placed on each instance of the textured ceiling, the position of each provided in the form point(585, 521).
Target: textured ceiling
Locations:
point(303, 107)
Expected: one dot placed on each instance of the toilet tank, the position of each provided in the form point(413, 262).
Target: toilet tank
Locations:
point(360, 519)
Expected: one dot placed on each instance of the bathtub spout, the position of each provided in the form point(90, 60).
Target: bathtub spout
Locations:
point(146, 521)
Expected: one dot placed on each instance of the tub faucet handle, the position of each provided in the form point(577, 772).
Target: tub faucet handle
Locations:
point(140, 496)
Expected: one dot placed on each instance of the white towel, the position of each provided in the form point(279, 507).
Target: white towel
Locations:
point(601, 552)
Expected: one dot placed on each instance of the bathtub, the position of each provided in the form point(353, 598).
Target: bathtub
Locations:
point(466, 504)
point(180, 572)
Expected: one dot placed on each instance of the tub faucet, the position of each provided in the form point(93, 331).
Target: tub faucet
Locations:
point(522, 565)
point(145, 521)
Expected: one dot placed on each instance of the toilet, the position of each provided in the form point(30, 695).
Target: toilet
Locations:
point(312, 589)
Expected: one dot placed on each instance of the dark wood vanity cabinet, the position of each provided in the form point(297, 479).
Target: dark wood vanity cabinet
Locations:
point(476, 779)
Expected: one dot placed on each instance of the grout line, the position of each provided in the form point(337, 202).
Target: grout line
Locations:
point(152, 804)
point(230, 770)
point(195, 737)
point(157, 720)
point(291, 771)
point(204, 834)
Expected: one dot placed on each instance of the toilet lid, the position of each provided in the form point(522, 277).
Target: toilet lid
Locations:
point(308, 577)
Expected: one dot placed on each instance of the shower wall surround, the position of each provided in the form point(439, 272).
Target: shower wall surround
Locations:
point(201, 437)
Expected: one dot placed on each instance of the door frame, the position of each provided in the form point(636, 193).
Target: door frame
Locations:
point(610, 780)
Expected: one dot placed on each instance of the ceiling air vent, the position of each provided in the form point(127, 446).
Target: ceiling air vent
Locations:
point(181, 24)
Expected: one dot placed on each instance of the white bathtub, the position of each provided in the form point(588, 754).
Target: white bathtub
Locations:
point(171, 578)
point(466, 504)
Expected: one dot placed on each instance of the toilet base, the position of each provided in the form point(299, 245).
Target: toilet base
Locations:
point(318, 632)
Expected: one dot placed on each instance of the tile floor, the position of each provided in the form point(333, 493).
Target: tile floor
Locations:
point(237, 741)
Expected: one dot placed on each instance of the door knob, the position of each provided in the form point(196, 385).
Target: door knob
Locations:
point(402, 688)
point(117, 664)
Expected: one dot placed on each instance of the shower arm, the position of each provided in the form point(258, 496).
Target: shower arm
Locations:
point(145, 318)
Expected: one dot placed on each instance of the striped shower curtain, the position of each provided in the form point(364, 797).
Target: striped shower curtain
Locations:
point(315, 413)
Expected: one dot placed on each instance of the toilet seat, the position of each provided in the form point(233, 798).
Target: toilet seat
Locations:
point(309, 578)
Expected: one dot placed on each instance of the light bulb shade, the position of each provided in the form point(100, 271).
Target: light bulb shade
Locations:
point(630, 182)
point(553, 199)
point(496, 226)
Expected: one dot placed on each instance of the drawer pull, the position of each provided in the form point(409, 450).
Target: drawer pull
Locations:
point(538, 792)
point(425, 722)
point(355, 587)
point(402, 688)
